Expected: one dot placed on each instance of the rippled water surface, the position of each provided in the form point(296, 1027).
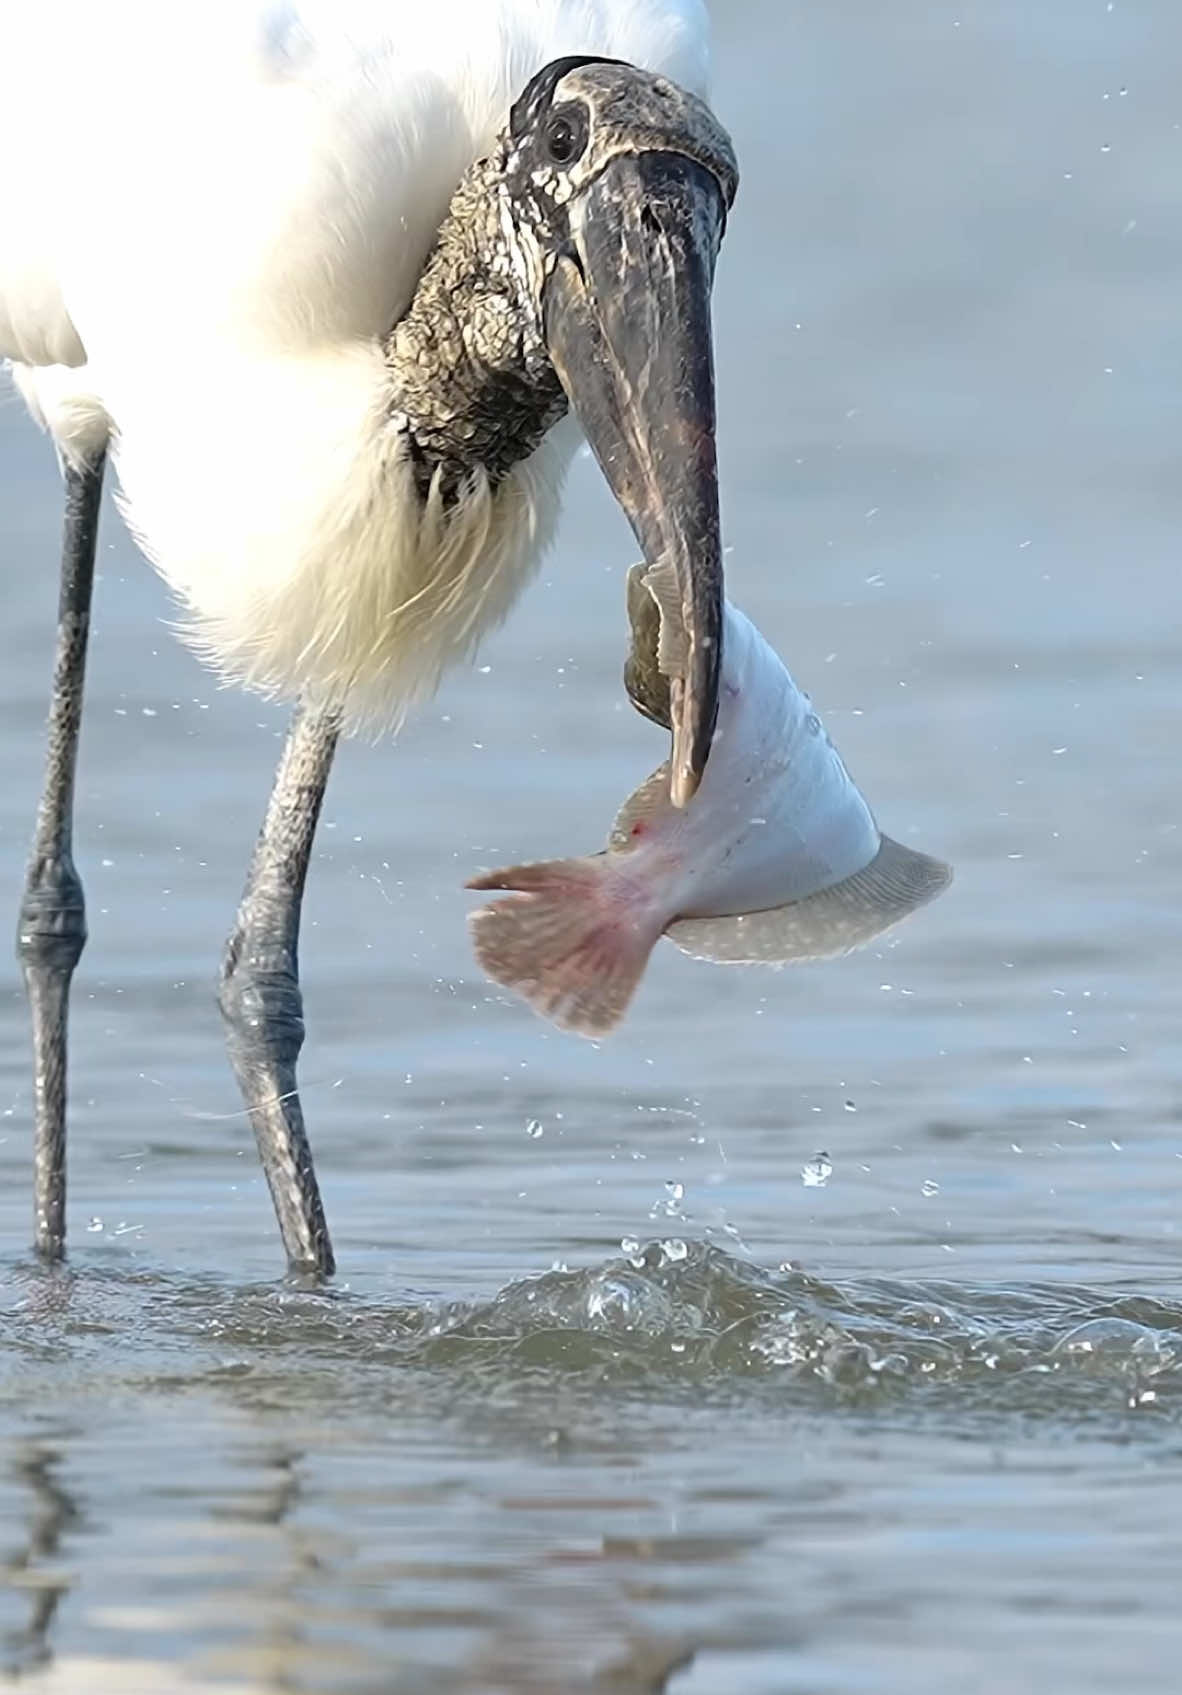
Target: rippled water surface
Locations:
point(821, 1333)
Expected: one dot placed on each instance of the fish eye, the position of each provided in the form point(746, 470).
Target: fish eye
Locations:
point(565, 135)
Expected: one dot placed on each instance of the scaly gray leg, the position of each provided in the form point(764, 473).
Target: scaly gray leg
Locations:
point(260, 991)
point(51, 931)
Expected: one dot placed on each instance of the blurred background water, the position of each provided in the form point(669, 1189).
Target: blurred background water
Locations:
point(882, 1390)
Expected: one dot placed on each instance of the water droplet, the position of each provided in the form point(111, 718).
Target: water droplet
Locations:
point(813, 724)
point(670, 1207)
point(535, 1129)
point(850, 1107)
point(817, 1172)
point(95, 1225)
point(629, 1245)
point(674, 1249)
point(929, 1188)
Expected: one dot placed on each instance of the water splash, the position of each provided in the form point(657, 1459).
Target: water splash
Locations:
point(876, 1342)
point(667, 1317)
point(669, 1206)
point(817, 1172)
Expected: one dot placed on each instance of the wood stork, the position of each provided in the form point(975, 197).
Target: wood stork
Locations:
point(349, 265)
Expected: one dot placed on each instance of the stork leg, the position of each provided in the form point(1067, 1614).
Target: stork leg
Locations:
point(51, 930)
point(260, 990)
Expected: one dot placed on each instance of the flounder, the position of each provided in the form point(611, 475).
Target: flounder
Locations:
point(775, 860)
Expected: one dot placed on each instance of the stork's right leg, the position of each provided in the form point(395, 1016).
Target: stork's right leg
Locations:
point(51, 931)
point(260, 990)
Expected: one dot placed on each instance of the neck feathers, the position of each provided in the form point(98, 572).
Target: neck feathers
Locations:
point(375, 509)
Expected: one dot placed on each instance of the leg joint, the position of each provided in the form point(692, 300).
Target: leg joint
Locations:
point(51, 930)
point(260, 1001)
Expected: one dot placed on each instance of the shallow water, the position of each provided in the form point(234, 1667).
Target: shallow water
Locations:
point(912, 1428)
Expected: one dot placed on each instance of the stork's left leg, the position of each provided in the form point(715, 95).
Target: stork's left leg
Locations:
point(260, 989)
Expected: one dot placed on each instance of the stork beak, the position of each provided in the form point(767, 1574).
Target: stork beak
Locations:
point(627, 325)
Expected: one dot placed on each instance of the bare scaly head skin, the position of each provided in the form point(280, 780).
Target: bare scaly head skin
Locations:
point(580, 116)
point(474, 384)
point(576, 265)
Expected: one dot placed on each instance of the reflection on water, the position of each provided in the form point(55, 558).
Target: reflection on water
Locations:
point(903, 1415)
point(325, 1476)
point(33, 1571)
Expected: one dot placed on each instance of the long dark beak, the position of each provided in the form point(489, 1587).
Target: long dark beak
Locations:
point(627, 323)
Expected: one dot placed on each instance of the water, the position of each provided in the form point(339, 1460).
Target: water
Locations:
point(911, 1429)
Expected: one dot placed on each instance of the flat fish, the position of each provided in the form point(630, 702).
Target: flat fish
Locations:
point(775, 860)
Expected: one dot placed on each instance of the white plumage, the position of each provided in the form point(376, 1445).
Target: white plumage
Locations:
point(209, 216)
point(216, 226)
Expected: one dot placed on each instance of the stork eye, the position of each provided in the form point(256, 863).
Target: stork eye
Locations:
point(565, 135)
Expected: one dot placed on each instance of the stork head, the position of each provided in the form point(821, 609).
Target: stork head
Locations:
point(616, 184)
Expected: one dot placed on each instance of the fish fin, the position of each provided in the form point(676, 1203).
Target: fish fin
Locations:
point(672, 641)
point(641, 811)
point(831, 922)
point(647, 687)
point(566, 942)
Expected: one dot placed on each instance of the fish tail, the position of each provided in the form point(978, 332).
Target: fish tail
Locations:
point(573, 941)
